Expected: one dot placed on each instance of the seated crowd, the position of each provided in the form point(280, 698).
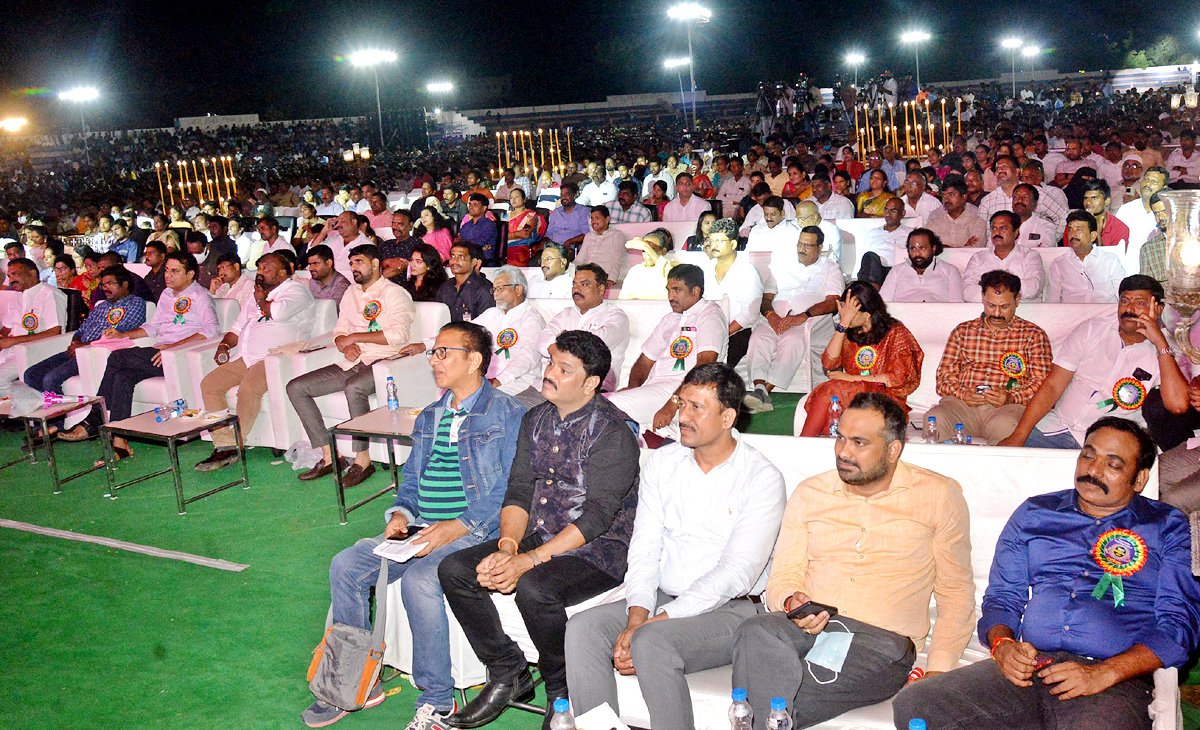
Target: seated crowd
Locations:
point(524, 475)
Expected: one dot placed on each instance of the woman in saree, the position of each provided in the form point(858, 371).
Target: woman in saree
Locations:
point(525, 228)
point(871, 202)
point(870, 352)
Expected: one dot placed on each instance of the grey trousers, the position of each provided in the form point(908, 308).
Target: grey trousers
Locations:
point(979, 697)
point(663, 652)
point(358, 383)
point(768, 661)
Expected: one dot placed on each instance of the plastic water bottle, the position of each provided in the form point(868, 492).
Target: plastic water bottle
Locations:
point(393, 402)
point(916, 724)
point(931, 430)
point(562, 719)
point(780, 718)
point(960, 436)
point(835, 416)
point(54, 399)
point(167, 411)
point(741, 716)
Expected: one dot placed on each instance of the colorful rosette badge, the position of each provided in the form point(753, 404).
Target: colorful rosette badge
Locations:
point(1128, 394)
point(865, 358)
point(505, 339)
point(371, 312)
point(1012, 365)
point(1120, 553)
point(680, 349)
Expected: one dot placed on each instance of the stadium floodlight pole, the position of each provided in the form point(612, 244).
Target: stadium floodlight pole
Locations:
point(1013, 44)
point(691, 13)
point(916, 37)
point(677, 64)
point(372, 59)
point(855, 59)
point(80, 95)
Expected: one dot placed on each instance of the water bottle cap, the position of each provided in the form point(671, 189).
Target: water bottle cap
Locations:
point(389, 378)
point(778, 704)
point(958, 425)
point(560, 705)
point(739, 695)
point(916, 724)
point(834, 399)
point(932, 419)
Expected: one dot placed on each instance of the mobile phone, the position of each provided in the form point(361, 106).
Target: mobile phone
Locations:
point(812, 608)
point(1042, 662)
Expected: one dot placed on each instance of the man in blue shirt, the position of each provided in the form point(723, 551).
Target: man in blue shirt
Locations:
point(569, 222)
point(1090, 591)
point(125, 246)
point(449, 498)
point(480, 228)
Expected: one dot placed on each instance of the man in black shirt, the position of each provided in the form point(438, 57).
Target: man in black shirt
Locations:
point(140, 289)
point(155, 256)
point(397, 253)
point(468, 294)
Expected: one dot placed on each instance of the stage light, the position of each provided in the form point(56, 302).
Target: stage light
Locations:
point(13, 124)
point(372, 57)
point(439, 87)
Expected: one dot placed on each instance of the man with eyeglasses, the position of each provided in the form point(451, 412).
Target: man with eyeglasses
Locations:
point(454, 482)
point(591, 312)
point(468, 293)
point(808, 214)
point(373, 323)
point(515, 325)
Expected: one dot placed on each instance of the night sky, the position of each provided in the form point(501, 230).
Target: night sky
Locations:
point(157, 61)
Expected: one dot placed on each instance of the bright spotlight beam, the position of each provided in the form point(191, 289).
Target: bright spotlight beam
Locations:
point(82, 93)
point(372, 57)
point(676, 62)
point(14, 124)
point(690, 11)
point(1028, 51)
point(439, 87)
point(855, 59)
point(914, 36)
point(1012, 43)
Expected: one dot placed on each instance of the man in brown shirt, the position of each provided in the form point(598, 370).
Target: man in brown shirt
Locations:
point(873, 539)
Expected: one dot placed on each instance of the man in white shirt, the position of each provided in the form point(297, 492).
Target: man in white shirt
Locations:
point(1184, 162)
point(760, 193)
point(656, 173)
point(648, 280)
point(1003, 253)
point(598, 191)
point(556, 273)
point(341, 235)
point(693, 333)
point(515, 325)
point(40, 311)
point(773, 233)
point(734, 186)
point(270, 241)
point(830, 205)
point(1102, 371)
point(1000, 198)
point(709, 509)
point(604, 245)
point(685, 206)
point(922, 277)
point(1068, 163)
point(1034, 231)
point(808, 214)
point(592, 313)
point(1136, 214)
point(328, 207)
point(281, 311)
point(232, 283)
point(1092, 274)
point(917, 205)
point(957, 224)
point(373, 323)
point(1052, 202)
point(730, 276)
point(802, 288)
point(884, 245)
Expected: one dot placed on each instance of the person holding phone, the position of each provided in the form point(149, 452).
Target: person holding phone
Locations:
point(872, 541)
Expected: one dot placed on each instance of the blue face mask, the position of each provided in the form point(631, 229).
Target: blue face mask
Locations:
point(829, 650)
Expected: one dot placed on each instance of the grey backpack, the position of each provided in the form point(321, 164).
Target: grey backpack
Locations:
point(348, 660)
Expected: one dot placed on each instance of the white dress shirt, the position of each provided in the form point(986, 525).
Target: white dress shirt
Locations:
point(781, 239)
point(607, 250)
point(1095, 279)
point(1023, 262)
point(742, 286)
point(797, 287)
point(891, 246)
point(755, 214)
point(341, 252)
point(292, 312)
point(1191, 165)
point(649, 180)
point(731, 192)
point(703, 323)
point(521, 367)
point(926, 206)
point(836, 208)
point(958, 232)
point(593, 194)
point(393, 309)
point(242, 290)
point(703, 538)
point(557, 288)
point(605, 320)
point(328, 211)
point(675, 211)
point(1141, 222)
point(941, 282)
point(1036, 232)
point(646, 282)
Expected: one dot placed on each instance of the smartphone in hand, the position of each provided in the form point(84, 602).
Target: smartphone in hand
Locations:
point(811, 608)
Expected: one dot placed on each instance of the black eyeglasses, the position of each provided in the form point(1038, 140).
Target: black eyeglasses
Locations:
point(441, 352)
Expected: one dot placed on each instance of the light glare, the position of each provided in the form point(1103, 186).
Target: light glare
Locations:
point(82, 93)
point(855, 59)
point(439, 87)
point(690, 11)
point(1012, 42)
point(914, 36)
point(13, 124)
point(677, 62)
point(1028, 51)
point(372, 57)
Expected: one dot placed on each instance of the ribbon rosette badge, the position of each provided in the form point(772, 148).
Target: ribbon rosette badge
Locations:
point(680, 349)
point(115, 315)
point(1128, 394)
point(1119, 553)
point(182, 305)
point(865, 358)
point(1012, 365)
point(29, 322)
point(505, 339)
point(371, 311)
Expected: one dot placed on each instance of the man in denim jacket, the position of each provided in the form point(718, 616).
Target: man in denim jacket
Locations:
point(450, 497)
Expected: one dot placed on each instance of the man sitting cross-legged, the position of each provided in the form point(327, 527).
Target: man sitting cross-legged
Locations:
point(453, 483)
point(373, 323)
point(708, 513)
point(282, 312)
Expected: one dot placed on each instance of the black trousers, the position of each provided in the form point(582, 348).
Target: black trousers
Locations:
point(1167, 429)
point(542, 594)
point(739, 343)
point(872, 269)
point(126, 368)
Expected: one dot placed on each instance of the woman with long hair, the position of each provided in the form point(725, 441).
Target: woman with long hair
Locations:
point(695, 242)
point(870, 352)
point(434, 229)
point(426, 273)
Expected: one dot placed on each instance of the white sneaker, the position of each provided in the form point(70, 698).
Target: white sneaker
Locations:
point(428, 718)
point(758, 401)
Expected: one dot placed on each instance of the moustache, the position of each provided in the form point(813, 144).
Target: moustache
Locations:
point(1129, 315)
point(551, 383)
point(1089, 479)
point(846, 464)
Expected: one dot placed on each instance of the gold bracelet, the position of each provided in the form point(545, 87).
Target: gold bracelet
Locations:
point(500, 544)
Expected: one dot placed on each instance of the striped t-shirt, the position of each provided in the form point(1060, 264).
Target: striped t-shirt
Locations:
point(440, 494)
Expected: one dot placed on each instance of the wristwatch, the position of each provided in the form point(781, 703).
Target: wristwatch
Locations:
point(838, 327)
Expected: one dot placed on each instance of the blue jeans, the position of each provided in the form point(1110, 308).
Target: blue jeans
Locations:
point(353, 573)
point(51, 373)
point(1039, 440)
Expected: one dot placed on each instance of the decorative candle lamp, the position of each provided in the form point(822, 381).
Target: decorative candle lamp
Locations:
point(1183, 262)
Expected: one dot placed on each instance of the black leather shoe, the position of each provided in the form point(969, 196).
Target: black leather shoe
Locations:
point(492, 700)
point(550, 711)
